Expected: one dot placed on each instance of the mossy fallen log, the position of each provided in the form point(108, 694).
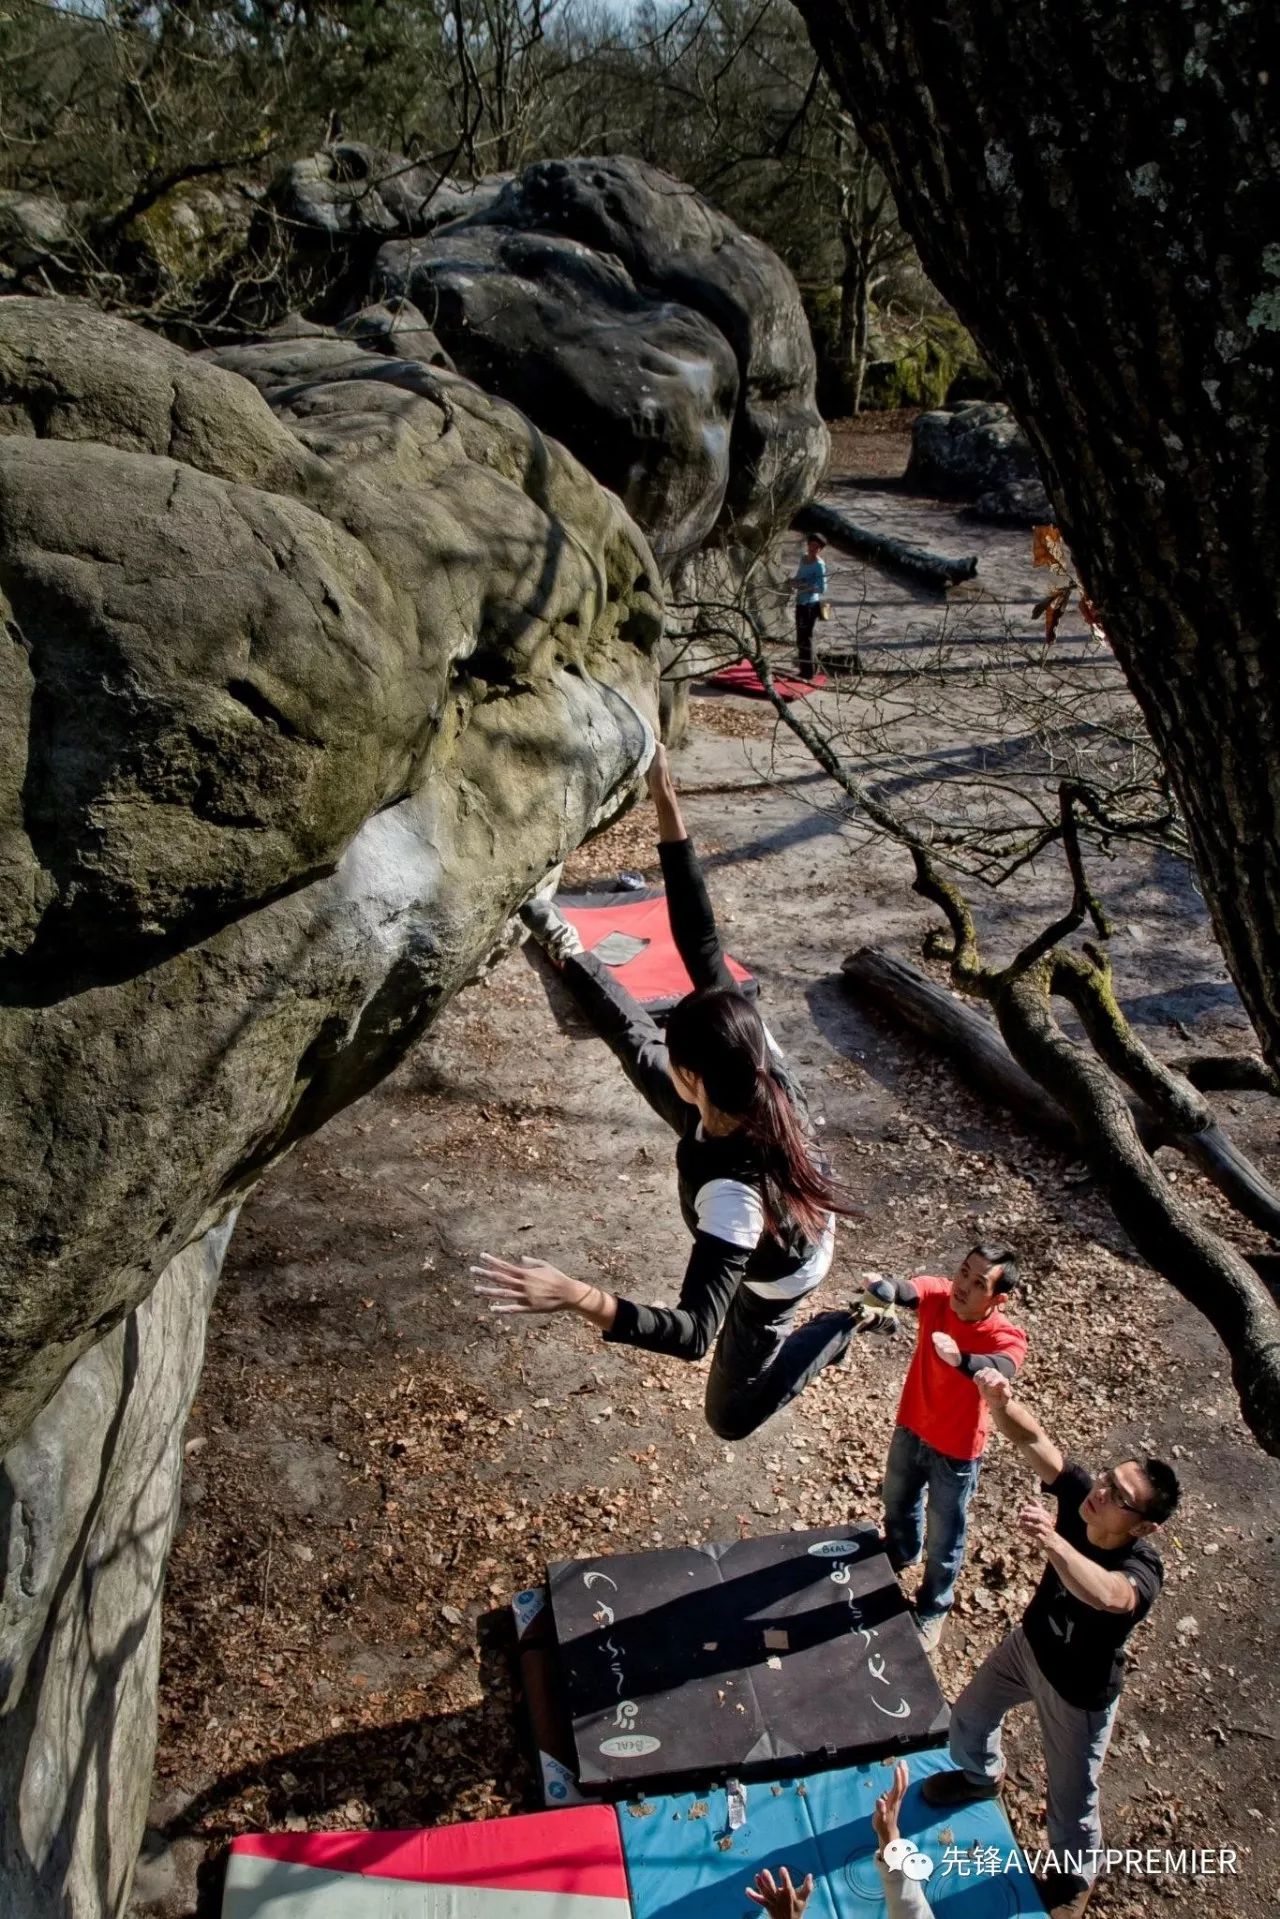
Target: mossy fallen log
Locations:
point(899, 989)
point(880, 549)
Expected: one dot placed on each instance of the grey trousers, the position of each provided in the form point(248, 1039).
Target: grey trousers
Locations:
point(1075, 1742)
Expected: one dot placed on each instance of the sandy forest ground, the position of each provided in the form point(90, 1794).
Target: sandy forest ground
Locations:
point(374, 1465)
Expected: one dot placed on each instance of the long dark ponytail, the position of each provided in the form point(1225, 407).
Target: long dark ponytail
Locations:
point(718, 1035)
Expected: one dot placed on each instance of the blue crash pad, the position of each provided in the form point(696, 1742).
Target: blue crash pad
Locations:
point(685, 1862)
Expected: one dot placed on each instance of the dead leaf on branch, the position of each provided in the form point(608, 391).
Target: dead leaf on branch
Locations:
point(1047, 548)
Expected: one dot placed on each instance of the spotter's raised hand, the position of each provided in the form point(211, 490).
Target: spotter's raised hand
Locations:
point(781, 1900)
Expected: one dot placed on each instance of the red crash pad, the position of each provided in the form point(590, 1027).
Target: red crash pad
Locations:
point(631, 933)
point(561, 1865)
point(743, 678)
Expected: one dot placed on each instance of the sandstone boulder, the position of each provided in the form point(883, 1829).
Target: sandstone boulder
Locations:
point(644, 391)
point(191, 232)
point(317, 659)
point(88, 1504)
point(977, 451)
point(348, 190)
point(34, 227)
point(303, 699)
point(666, 347)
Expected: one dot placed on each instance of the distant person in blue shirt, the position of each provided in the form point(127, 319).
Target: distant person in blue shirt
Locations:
point(810, 583)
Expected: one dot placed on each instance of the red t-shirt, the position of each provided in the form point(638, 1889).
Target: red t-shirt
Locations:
point(939, 1403)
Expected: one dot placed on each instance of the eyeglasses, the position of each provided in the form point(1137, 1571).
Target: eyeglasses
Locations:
point(1109, 1488)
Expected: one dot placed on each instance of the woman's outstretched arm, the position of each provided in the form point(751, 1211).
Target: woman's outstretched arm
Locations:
point(688, 1329)
point(693, 921)
point(685, 1331)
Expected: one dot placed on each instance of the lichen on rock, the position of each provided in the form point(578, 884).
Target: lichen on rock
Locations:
point(305, 698)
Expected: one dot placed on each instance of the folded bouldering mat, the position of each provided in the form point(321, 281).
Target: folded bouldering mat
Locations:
point(548, 1865)
point(631, 933)
point(546, 1715)
point(691, 1856)
point(742, 677)
point(739, 1660)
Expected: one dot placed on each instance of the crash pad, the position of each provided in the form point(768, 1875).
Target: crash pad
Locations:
point(559, 1865)
point(631, 933)
point(742, 1659)
point(545, 1713)
point(742, 677)
point(691, 1855)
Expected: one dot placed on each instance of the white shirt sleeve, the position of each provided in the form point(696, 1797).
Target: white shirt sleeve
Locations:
point(773, 1045)
point(731, 1210)
point(904, 1898)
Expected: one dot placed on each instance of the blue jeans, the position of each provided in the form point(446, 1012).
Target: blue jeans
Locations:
point(913, 1469)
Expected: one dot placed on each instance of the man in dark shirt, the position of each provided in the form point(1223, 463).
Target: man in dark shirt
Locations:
point(1101, 1578)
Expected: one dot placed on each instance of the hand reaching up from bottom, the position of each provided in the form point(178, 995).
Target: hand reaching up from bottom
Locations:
point(783, 1901)
point(885, 1817)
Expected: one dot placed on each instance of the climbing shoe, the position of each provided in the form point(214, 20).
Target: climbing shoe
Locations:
point(552, 931)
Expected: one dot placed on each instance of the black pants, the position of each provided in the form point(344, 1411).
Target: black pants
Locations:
point(762, 1360)
point(806, 620)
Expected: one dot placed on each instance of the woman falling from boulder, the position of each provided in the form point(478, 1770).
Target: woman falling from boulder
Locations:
point(754, 1190)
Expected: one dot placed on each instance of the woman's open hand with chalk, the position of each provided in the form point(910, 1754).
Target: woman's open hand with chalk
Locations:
point(531, 1286)
point(527, 1286)
point(783, 1901)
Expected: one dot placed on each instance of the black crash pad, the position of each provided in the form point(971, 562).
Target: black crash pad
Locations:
point(753, 1659)
point(546, 1713)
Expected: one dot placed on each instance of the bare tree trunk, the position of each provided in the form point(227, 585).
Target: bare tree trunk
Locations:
point(861, 332)
point(906, 993)
point(857, 237)
point(853, 297)
point(1092, 187)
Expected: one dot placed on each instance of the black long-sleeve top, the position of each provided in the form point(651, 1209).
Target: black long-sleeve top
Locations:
point(719, 1180)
